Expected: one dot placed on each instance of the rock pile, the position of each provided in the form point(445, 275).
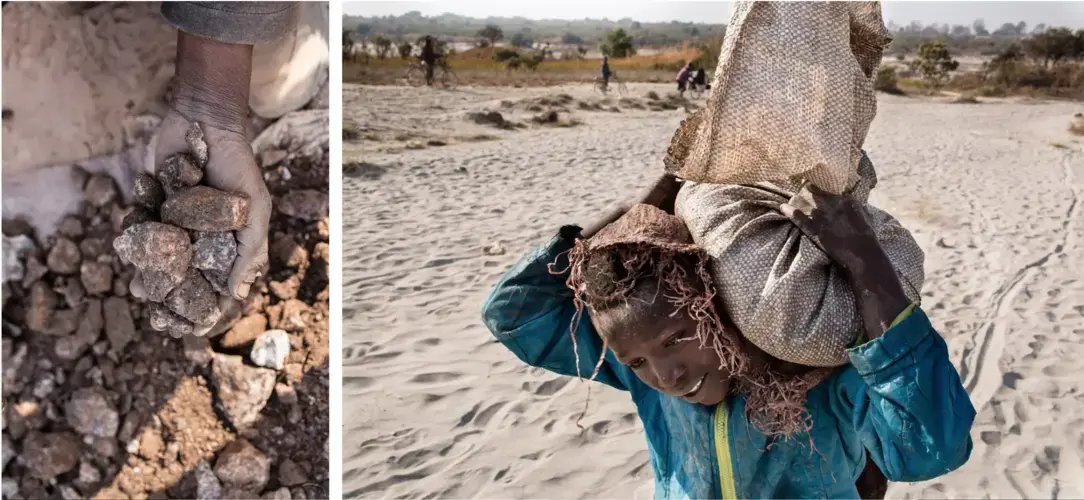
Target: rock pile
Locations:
point(180, 238)
point(98, 405)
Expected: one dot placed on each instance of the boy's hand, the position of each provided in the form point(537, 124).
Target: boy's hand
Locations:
point(838, 225)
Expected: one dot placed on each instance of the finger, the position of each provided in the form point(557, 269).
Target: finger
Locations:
point(136, 288)
point(798, 218)
point(251, 260)
point(167, 140)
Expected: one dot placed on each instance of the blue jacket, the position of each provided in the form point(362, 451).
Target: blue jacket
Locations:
point(900, 400)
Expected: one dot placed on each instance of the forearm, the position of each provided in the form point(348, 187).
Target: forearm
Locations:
point(878, 292)
point(211, 85)
point(907, 401)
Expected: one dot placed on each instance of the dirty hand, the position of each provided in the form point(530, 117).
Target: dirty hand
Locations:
point(838, 225)
point(231, 167)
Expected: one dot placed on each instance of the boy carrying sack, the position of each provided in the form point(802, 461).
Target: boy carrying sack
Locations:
point(658, 313)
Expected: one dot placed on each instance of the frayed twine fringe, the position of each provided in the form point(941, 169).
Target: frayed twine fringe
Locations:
point(775, 403)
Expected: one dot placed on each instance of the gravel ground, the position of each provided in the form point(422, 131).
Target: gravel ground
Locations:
point(97, 404)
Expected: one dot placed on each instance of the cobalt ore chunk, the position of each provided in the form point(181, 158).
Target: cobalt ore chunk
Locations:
point(215, 252)
point(148, 192)
point(194, 300)
point(163, 319)
point(180, 170)
point(196, 145)
point(220, 281)
point(138, 215)
point(161, 253)
point(206, 209)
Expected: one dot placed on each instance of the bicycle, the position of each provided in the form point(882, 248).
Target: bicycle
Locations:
point(696, 91)
point(601, 87)
point(442, 75)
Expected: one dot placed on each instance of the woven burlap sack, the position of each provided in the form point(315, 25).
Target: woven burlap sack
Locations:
point(792, 95)
point(781, 291)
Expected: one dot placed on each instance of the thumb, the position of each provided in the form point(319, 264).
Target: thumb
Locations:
point(251, 260)
point(799, 218)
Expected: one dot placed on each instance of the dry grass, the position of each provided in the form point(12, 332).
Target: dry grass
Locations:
point(476, 67)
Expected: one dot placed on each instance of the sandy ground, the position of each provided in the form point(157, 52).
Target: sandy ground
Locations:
point(434, 406)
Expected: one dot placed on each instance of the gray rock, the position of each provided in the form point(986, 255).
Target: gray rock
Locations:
point(70, 227)
point(179, 171)
point(270, 349)
point(69, 493)
point(242, 390)
point(305, 204)
point(8, 451)
point(220, 281)
point(48, 455)
point(90, 328)
point(64, 322)
point(197, 350)
point(100, 190)
point(14, 357)
point(241, 466)
point(43, 302)
point(11, 487)
point(279, 494)
point(162, 319)
point(204, 208)
point(194, 300)
point(97, 277)
point(35, 271)
point(160, 251)
point(290, 474)
point(193, 137)
point(215, 252)
point(89, 476)
point(91, 413)
point(119, 326)
point(207, 485)
point(137, 216)
point(64, 257)
point(148, 192)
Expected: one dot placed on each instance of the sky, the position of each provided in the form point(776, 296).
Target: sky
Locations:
point(1064, 13)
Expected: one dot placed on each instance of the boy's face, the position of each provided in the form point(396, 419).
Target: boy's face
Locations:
point(661, 347)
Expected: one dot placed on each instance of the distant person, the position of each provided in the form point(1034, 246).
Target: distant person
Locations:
point(606, 73)
point(683, 77)
point(429, 59)
point(700, 78)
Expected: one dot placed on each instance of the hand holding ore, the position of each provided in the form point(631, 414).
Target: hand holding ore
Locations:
point(180, 237)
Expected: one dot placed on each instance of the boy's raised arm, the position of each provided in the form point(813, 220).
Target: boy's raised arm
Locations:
point(531, 312)
point(906, 400)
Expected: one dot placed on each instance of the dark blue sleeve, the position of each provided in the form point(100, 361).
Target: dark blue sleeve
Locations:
point(907, 403)
point(531, 311)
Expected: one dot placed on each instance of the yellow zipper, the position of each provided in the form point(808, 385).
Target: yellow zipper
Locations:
point(722, 452)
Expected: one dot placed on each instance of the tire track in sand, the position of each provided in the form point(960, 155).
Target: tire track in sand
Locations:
point(980, 378)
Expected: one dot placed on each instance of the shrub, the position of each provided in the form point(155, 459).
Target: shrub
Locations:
point(618, 44)
point(886, 81)
point(504, 54)
point(935, 63)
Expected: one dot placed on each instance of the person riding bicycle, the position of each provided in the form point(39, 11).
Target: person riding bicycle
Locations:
point(429, 58)
point(683, 77)
point(606, 73)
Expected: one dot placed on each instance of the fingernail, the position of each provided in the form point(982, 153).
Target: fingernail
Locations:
point(242, 290)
